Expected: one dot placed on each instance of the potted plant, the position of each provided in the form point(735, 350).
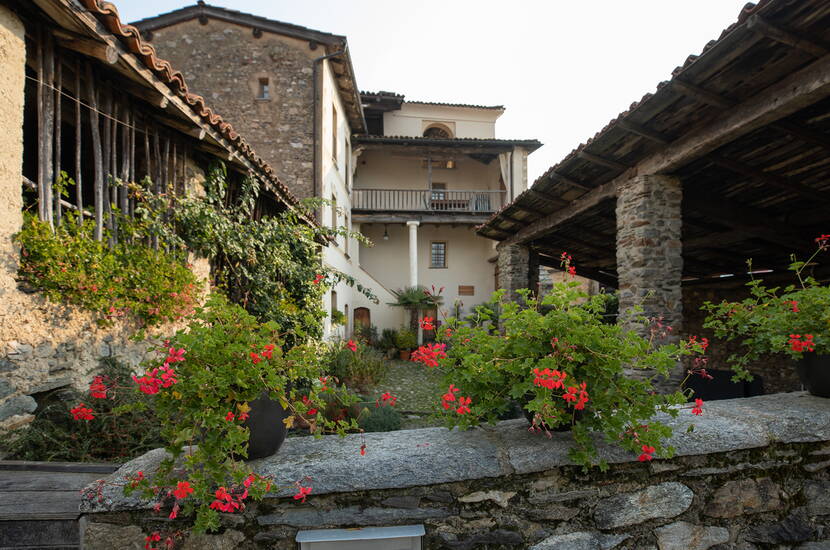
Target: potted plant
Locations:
point(405, 341)
point(338, 318)
point(793, 320)
point(226, 389)
point(565, 367)
point(417, 300)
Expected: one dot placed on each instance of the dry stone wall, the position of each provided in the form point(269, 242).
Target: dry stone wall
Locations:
point(752, 474)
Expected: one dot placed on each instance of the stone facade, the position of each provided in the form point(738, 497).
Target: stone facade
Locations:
point(224, 62)
point(514, 264)
point(753, 474)
point(649, 261)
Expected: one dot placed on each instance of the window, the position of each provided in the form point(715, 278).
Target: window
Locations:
point(264, 89)
point(438, 164)
point(438, 254)
point(333, 212)
point(439, 191)
point(440, 131)
point(334, 133)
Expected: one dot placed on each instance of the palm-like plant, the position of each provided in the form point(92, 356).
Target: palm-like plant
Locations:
point(417, 299)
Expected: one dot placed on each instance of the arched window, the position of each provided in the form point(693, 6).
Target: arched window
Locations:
point(438, 131)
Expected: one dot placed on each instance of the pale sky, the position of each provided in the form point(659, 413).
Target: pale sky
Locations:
point(562, 69)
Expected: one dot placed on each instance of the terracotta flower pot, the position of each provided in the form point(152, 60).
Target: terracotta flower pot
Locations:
point(814, 372)
point(265, 422)
point(404, 354)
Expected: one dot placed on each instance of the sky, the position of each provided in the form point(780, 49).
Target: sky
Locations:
point(561, 68)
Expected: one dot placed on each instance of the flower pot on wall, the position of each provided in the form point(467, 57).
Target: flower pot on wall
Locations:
point(814, 372)
point(265, 422)
point(404, 354)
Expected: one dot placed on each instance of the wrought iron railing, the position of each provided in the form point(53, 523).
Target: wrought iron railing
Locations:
point(426, 200)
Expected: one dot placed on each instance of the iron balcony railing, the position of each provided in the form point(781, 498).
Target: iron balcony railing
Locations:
point(426, 200)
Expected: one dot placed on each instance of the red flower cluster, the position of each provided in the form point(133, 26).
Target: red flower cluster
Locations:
point(151, 382)
point(703, 342)
point(822, 242)
point(427, 323)
point(97, 388)
point(648, 451)
point(793, 304)
point(82, 412)
point(463, 402)
point(352, 345)
point(230, 416)
point(307, 402)
point(799, 344)
point(566, 261)
point(227, 502)
point(578, 394)
point(698, 408)
point(150, 539)
point(429, 354)
point(550, 379)
point(463, 405)
point(183, 489)
point(317, 279)
point(303, 492)
point(387, 398)
point(267, 352)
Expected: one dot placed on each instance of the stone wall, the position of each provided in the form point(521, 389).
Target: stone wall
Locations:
point(752, 474)
point(224, 62)
point(514, 264)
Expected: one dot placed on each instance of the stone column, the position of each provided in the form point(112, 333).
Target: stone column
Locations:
point(413, 252)
point(13, 61)
point(649, 261)
point(514, 269)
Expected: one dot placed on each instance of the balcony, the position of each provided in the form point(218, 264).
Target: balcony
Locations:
point(436, 201)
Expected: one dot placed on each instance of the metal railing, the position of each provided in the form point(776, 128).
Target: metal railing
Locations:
point(426, 200)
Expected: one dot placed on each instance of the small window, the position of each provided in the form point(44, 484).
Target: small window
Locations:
point(438, 131)
point(438, 164)
point(439, 191)
point(466, 290)
point(333, 212)
point(264, 89)
point(438, 254)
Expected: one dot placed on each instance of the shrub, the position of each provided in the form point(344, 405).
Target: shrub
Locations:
point(54, 436)
point(367, 334)
point(564, 366)
point(406, 338)
point(338, 317)
point(380, 419)
point(359, 369)
point(387, 339)
point(153, 286)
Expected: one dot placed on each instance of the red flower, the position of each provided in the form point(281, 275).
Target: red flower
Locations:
point(464, 405)
point(362, 450)
point(97, 388)
point(793, 305)
point(698, 408)
point(427, 323)
point(572, 271)
point(387, 398)
point(229, 417)
point(149, 539)
point(175, 355)
point(429, 354)
point(269, 350)
point(302, 492)
point(307, 402)
point(255, 357)
point(249, 480)
point(550, 379)
point(174, 512)
point(317, 279)
point(822, 241)
point(243, 416)
point(82, 412)
point(647, 452)
point(183, 489)
point(799, 345)
point(224, 501)
point(352, 345)
point(448, 333)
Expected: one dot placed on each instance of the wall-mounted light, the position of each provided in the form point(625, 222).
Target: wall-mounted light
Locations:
point(385, 232)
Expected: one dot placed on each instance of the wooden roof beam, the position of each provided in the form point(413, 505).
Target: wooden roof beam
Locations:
point(644, 132)
point(771, 179)
point(758, 25)
point(701, 94)
point(602, 161)
point(804, 133)
point(568, 181)
point(576, 208)
point(545, 198)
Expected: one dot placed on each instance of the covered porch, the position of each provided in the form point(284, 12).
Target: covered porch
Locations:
point(725, 162)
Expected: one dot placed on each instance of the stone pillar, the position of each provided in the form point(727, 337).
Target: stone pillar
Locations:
point(413, 252)
point(13, 62)
point(514, 269)
point(649, 261)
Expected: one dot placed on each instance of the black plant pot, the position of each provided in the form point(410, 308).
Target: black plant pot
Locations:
point(265, 421)
point(814, 372)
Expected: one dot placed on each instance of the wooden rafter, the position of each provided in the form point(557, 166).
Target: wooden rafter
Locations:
point(771, 179)
point(602, 161)
point(569, 181)
point(766, 29)
point(642, 131)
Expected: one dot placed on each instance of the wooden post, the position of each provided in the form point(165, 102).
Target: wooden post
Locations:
point(98, 161)
point(113, 200)
point(40, 168)
point(58, 100)
point(125, 163)
point(79, 195)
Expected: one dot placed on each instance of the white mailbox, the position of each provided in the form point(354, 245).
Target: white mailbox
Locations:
point(404, 537)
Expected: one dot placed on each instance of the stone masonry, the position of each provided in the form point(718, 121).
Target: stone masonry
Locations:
point(753, 474)
point(225, 62)
point(514, 265)
point(649, 261)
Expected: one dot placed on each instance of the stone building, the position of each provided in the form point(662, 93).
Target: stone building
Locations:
point(268, 76)
point(726, 161)
point(53, 57)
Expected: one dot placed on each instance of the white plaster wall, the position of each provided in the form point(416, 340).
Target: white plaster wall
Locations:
point(466, 122)
point(467, 260)
point(381, 170)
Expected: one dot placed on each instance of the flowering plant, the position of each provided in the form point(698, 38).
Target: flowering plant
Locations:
point(202, 386)
point(565, 367)
point(793, 320)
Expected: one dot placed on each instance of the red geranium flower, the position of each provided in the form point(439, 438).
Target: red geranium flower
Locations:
point(82, 412)
point(352, 345)
point(183, 489)
point(698, 408)
point(427, 323)
point(302, 493)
